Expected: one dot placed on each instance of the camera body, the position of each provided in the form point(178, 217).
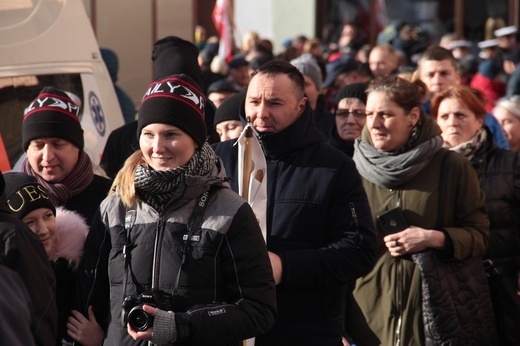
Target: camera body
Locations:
point(133, 312)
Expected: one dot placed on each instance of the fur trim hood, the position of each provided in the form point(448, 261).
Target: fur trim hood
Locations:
point(71, 233)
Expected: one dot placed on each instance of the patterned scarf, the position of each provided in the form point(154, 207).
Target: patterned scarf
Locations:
point(469, 148)
point(158, 187)
point(73, 184)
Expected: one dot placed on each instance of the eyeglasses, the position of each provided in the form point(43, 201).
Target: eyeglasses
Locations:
point(356, 113)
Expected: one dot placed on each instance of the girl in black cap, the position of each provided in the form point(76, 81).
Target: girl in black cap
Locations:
point(62, 233)
point(179, 256)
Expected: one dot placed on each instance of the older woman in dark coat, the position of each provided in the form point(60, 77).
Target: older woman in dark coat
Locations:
point(460, 113)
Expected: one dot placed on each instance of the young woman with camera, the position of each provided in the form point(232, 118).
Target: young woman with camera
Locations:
point(173, 250)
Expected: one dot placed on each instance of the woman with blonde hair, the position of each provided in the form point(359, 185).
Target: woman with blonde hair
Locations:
point(179, 256)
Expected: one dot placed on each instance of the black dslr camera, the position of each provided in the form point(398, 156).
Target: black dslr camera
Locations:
point(134, 314)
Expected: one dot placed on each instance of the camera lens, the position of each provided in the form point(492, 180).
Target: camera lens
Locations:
point(139, 320)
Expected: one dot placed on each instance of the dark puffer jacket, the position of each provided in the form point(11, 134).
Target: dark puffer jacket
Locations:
point(226, 289)
point(319, 223)
point(498, 171)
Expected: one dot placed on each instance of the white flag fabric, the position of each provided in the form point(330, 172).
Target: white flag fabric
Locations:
point(251, 158)
point(249, 146)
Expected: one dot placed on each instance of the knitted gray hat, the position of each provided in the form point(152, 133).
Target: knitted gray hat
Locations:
point(307, 66)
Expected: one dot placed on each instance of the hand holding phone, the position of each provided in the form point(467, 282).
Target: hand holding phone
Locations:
point(392, 221)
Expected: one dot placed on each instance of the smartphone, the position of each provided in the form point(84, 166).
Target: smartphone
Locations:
point(392, 221)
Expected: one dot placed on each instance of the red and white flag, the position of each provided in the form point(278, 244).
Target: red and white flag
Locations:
point(223, 20)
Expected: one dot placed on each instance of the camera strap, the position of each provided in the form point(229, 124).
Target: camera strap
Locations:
point(130, 217)
point(194, 223)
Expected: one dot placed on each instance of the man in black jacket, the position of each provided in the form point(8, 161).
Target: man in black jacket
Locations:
point(320, 234)
point(22, 251)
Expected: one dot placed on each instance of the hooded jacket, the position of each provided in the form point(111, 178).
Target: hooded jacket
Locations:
point(318, 222)
point(375, 308)
point(221, 294)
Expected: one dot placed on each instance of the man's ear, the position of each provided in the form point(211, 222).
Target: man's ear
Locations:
point(301, 105)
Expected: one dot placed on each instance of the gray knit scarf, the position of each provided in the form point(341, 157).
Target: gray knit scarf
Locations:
point(158, 187)
point(390, 170)
point(469, 148)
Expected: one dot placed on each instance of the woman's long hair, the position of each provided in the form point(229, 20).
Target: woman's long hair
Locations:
point(124, 182)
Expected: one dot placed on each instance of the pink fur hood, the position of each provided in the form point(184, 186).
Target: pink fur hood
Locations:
point(71, 233)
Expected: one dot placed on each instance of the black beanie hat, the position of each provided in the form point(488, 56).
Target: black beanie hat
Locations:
point(54, 113)
point(354, 90)
point(231, 109)
point(175, 100)
point(24, 194)
point(173, 55)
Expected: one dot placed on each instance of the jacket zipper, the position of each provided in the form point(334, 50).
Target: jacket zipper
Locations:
point(157, 252)
point(399, 301)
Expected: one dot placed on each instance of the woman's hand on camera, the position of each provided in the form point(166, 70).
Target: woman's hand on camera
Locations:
point(145, 334)
point(84, 330)
point(413, 239)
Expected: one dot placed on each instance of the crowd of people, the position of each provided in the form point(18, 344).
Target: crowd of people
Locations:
point(392, 209)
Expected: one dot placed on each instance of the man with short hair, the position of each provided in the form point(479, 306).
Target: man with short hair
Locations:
point(382, 60)
point(239, 73)
point(320, 233)
point(437, 68)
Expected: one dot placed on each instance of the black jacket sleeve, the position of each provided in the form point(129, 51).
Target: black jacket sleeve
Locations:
point(23, 252)
point(93, 282)
point(251, 308)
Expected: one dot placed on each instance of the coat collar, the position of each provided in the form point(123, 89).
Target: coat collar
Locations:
point(301, 133)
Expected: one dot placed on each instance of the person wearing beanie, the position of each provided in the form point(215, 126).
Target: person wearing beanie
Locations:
point(62, 233)
point(350, 117)
point(125, 101)
point(23, 253)
point(53, 139)
point(507, 112)
point(312, 75)
point(171, 55)
point(239, 72)
point(228, 122)
point(175, 228)
point(311, 72)
point(489, 81)
point(220, 91)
